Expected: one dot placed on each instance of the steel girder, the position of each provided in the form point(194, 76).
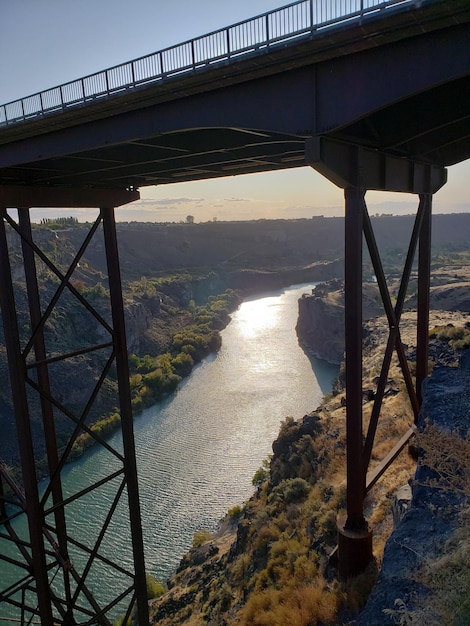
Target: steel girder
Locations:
point(57, 573)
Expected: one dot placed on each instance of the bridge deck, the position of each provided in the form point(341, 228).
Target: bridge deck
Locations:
point(396, 79)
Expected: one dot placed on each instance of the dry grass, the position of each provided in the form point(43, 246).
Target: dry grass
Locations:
point(304, 605)
point(447, 454)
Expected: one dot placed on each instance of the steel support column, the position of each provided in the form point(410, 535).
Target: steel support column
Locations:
point(424, 284)
point(33, 509)
point(357, 169)
point(354, 535)
point(32, 288)
point(49, 586)
point(127, 424)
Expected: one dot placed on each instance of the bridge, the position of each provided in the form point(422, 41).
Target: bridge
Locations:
point(372, 94)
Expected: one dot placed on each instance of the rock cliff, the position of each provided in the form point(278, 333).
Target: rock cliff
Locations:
point(320, 325)
point(424, 576)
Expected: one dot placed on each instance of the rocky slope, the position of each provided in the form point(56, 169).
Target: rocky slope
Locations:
point(320, 324)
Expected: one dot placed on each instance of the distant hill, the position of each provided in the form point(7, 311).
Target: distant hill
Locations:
point(153, 249)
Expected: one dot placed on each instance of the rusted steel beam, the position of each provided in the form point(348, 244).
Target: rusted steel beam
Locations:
point(51, 197)
point(44, 384)
point(377, 472)
point(354, 534)
point(393, 316)
point(353, 334)
point(424, 285)
point(49, 537)
point(63, 278)
point(127, 424)
point(356, 168)
point(33, 509)
point(373, 169)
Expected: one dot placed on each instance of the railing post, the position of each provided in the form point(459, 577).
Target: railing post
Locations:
point(193, 56)
point(133, 73)
point(227, 33)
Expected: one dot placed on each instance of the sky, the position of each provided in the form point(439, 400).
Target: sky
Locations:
point(44, 43)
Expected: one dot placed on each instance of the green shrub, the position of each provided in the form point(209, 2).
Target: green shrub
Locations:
point(261, 476)
point(235, 511)
point(290, 491)
point(200, 537)
point(182, 363)
point(103, 428)
point(155, 588)
point(457, 337)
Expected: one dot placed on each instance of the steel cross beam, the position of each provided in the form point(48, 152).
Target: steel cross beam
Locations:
point(56, 574)
point(357, 169)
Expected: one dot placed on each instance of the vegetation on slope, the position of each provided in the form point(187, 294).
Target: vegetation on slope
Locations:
point(154, 377)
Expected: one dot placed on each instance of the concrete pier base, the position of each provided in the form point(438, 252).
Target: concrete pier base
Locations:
point(354, 549)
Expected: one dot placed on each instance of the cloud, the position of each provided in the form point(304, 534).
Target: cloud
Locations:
point(163, 202)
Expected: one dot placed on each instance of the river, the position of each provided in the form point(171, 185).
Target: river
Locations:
point(197, 451)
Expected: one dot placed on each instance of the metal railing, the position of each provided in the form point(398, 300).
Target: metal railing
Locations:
point(287, 24)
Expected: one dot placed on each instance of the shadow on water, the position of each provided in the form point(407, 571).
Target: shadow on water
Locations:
point(326, 373)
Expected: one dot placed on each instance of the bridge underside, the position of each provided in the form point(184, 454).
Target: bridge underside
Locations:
point(431, 127)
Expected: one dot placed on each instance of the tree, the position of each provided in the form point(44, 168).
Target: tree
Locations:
point(190, 219)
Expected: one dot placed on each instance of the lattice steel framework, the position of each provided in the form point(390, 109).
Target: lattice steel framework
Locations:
point(57, 574)
point(356, 170)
